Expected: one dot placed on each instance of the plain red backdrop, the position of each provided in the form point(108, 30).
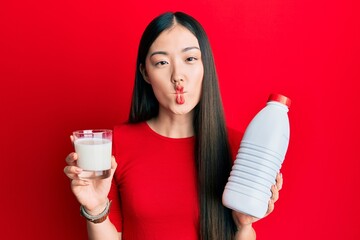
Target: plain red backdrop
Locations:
point(69, 65)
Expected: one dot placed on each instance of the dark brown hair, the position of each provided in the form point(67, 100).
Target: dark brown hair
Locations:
point(212, 151)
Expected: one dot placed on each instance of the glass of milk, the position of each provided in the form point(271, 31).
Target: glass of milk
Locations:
point(93, 148)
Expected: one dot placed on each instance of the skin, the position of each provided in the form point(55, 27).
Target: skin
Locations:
point(173, 59)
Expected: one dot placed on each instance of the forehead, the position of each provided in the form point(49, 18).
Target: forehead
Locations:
point(174, 38)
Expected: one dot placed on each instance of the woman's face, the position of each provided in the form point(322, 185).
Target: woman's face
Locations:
point(175, 70)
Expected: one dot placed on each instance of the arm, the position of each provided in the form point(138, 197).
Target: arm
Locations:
point(92, 195)
point(246, 232)
point(104, 230)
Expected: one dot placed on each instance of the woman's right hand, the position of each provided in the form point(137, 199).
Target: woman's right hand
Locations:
point(91, 193)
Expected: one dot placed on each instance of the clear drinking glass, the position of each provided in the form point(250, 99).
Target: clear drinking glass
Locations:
point(93, 148)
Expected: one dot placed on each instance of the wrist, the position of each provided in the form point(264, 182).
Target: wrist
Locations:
point(245, 231)
point(98, 218)
point(96, 210)
point(244, 227)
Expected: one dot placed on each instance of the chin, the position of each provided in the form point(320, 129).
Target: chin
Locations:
point(183, 110)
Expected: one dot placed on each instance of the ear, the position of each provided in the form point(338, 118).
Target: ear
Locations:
point(144, 73)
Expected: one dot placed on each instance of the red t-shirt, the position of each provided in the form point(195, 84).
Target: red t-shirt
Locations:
point(154, 190)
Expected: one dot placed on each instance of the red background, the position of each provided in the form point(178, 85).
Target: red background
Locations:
point(54, 54)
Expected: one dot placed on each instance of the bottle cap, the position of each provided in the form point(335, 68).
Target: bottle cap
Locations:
point(280, 98)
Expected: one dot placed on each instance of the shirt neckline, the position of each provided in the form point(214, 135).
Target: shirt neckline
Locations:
point(157, 135)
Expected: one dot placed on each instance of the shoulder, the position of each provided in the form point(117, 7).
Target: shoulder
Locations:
point(127, 137)
point(126, 133)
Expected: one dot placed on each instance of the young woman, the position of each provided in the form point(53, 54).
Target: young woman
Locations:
point(174, 154)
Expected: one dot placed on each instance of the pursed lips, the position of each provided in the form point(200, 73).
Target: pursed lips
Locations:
point(179, 91)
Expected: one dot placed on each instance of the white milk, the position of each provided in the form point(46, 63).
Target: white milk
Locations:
point(93, 154)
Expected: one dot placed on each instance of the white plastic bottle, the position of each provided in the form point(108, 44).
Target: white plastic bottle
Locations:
point(259, 159)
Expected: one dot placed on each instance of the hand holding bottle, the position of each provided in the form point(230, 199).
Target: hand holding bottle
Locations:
point(259, 159)
point(244, 222)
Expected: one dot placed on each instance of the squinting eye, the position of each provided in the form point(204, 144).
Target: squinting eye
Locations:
point(161, 63)
point(191, 59)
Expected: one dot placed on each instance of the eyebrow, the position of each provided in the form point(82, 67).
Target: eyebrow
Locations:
point(165, 53)
point(190, 48)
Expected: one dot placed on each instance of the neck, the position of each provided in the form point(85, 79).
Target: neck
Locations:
point(173, 125)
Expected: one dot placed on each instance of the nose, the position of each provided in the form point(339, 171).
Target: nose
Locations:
point(177, 80)
point(177, 76)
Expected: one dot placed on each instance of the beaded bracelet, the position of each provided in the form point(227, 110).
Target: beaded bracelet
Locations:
point(97, 218)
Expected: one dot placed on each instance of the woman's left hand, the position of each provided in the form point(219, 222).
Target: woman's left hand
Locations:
point(243, 221)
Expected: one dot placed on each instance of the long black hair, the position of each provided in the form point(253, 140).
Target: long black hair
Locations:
point(212, 151)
